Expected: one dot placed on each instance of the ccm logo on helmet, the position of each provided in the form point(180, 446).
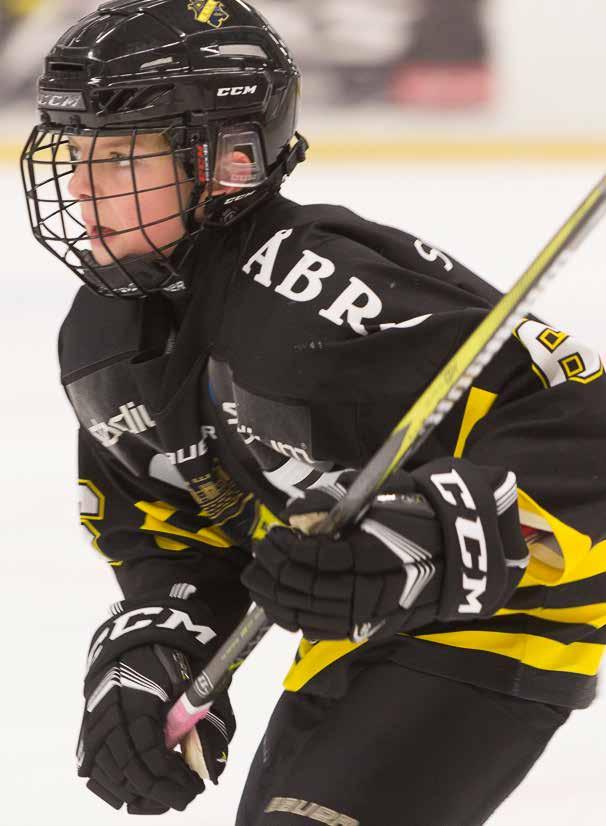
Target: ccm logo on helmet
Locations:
point(236, 90)
point(472, 542)
point(62, 100)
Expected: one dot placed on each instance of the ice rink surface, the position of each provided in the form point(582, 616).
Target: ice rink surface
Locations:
point(55, 590)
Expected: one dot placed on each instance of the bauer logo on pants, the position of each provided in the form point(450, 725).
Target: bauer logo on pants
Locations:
point(311, 810)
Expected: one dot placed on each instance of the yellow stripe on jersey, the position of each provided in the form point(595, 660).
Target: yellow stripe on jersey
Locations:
point(575, 545)
point(537, 652)
point(575, 548)
point(594, 563)
point(157, 514)
point(315, 658)
point(168, 544)
point(579, 615)
point(265, 520)
point(478, 404)
point(580, 561)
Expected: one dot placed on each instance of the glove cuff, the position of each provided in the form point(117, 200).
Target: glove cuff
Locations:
point(174, 618)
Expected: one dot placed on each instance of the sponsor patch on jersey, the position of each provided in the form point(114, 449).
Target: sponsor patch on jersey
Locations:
point(217, 494)
point(210, 12)
point(284, 427)
point(132, 418)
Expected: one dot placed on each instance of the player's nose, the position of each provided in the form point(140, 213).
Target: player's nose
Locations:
point(80, 185)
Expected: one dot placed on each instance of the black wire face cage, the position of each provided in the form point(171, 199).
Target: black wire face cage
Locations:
point(124, 218)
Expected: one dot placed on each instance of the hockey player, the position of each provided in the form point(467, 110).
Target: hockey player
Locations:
point(233, 360)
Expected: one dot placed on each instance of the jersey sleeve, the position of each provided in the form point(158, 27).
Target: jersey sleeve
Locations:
point(151, 543)
point(546, 422)
point(537, 409)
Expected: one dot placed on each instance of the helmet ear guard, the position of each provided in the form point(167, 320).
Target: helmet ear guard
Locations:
point(248, 182)
point(212, 158)
point(230, 170)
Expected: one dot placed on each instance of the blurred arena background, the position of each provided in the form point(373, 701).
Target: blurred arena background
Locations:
point(397, 78)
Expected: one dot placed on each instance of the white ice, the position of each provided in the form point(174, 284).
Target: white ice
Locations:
point(55, 590)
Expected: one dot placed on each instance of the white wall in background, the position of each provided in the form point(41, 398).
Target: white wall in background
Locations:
point(550, 61)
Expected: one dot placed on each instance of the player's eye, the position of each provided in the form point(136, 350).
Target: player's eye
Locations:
point(121, 160)
point(74, 153)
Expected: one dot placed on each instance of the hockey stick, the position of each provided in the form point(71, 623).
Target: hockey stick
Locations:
point(427, 412)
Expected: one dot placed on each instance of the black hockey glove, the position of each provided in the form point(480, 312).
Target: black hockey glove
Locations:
point(396, 569)
point(140, 661)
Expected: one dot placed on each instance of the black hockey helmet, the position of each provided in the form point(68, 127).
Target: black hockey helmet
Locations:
point(212, 79)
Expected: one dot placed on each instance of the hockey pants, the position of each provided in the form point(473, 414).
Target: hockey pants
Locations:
point(400, 748)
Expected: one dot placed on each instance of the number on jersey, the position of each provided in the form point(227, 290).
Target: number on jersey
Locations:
point(556, 356)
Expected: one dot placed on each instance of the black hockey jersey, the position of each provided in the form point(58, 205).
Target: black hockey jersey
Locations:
point(307, 334)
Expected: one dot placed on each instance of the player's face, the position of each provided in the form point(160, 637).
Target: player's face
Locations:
point(114, 227)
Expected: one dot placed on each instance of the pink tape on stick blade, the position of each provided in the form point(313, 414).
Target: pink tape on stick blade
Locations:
point(181, 718)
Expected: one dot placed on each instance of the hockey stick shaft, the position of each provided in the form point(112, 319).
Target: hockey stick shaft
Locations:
point(467, 363)
point(425, 414)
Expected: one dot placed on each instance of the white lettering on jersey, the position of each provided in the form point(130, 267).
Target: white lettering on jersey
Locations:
point(356, 303)
point(402, 325)
point(248, 436)
point(307, 274)
point(266, 257)
point(431, 254)
point(131, 419)
point(231, 408)
point(345, 306)
point(292, 452)
point(304, 283)
point(187, 454)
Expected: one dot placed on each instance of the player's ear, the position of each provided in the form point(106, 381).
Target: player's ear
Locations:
point(235, 168)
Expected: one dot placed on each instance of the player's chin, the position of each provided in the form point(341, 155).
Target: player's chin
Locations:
point(107, 250)
point(112, 248)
